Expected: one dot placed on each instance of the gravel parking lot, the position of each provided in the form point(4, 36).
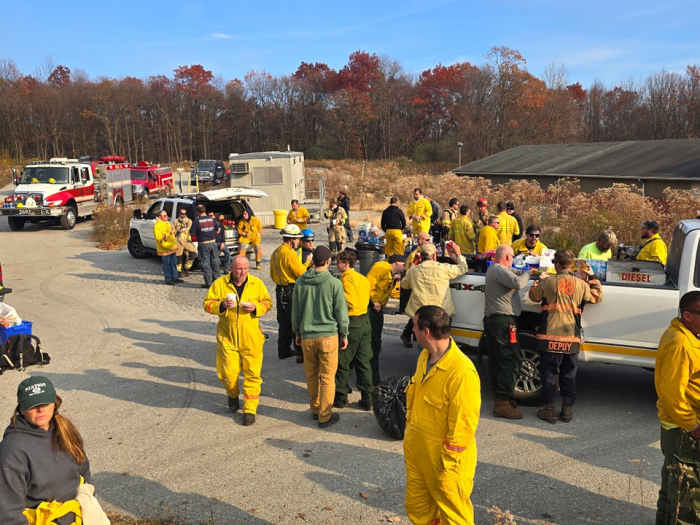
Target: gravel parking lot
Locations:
point(134, 361)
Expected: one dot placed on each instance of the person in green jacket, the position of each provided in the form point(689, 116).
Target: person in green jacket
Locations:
point(320, 322)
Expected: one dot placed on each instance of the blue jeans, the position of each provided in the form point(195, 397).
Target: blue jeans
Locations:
point(209, 261)
point(169, 263)
point(227, 258)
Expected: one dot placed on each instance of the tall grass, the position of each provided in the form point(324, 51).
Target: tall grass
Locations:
point(568, 217)
point(111, 227)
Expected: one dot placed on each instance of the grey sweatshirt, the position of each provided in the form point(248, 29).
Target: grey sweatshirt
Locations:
point(502, 285)
point(32, 471)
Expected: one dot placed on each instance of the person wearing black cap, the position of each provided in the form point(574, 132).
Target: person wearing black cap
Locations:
point(42, 458)
point(320, 322)
point(510, 210)
point(653, 247)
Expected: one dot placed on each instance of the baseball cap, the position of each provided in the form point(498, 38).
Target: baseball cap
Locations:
point(292, 231)
point(482, 202)
point(510, 206)
point(35, 391)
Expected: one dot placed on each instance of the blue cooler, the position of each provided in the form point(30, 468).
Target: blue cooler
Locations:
point(6, 333)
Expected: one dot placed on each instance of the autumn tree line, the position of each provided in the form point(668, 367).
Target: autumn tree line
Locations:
point(369, 109)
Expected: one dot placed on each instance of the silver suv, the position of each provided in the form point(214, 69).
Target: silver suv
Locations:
point(229, 201)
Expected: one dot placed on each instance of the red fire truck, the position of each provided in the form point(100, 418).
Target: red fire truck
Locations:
point(150, 179)
point(113, 184)
point(61, 190)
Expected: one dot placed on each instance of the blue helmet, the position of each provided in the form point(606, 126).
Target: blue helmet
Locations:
point(307, 234)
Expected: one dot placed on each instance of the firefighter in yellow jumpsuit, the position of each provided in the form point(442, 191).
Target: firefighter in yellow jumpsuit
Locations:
point(419, 211)
point(250, 232)
point(239, 300)
point(443, 401)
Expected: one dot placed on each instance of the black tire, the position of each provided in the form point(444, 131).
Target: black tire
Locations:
point(69, 218)
point(528, 383)
point(135, 246)
point(15, 223)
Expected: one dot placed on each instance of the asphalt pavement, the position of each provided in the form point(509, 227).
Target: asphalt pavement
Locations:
point(135, 363)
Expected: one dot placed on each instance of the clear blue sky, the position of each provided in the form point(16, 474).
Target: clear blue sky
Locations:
point(613, 41)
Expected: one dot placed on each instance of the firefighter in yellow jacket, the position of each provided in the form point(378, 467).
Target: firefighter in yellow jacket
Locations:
point(419, 212)
point(488, 236)
point(250, 232)
point(443, 401)
point(677, 381)
point(462, 231)
point(239, 300)
point(508, 226)
point(653, 247)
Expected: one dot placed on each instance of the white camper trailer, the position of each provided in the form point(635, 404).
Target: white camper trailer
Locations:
point(281, 175)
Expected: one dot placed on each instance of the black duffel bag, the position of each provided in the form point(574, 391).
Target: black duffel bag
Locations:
point(21, 351)
point(390, 405)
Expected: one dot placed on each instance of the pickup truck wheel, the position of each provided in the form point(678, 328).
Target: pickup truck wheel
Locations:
point(15, 223)
point(68, 218)
point(135, 246)
point(528, 383)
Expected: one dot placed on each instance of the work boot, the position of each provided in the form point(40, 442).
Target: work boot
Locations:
point(332, 421)
point(248, 419)
point(233, 404)
point(366, 401)
point(567, 413)
point(340, 402)
point(546, 413)
point(504, 408)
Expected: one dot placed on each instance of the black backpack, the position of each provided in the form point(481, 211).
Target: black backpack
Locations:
point(20, 351)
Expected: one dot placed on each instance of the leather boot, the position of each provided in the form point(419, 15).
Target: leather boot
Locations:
point(567, 413)
point(504, 408)
point(365, 401)
point(233, 404)
point(546, 413)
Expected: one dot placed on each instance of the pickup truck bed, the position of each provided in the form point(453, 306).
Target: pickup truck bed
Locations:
point(624, 328)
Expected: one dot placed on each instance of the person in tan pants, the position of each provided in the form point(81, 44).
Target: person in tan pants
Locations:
point(320, 320)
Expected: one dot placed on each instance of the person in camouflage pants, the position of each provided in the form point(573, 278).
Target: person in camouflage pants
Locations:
point(676, 378)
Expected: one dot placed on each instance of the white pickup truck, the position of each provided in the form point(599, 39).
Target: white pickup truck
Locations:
point(231, 202)
point(623, 329)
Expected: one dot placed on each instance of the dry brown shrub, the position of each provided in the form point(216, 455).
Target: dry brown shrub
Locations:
point(111, 227)
point(568, 217)
point(501, 517)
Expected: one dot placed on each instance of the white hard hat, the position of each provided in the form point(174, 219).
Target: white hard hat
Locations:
point(291, 231)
